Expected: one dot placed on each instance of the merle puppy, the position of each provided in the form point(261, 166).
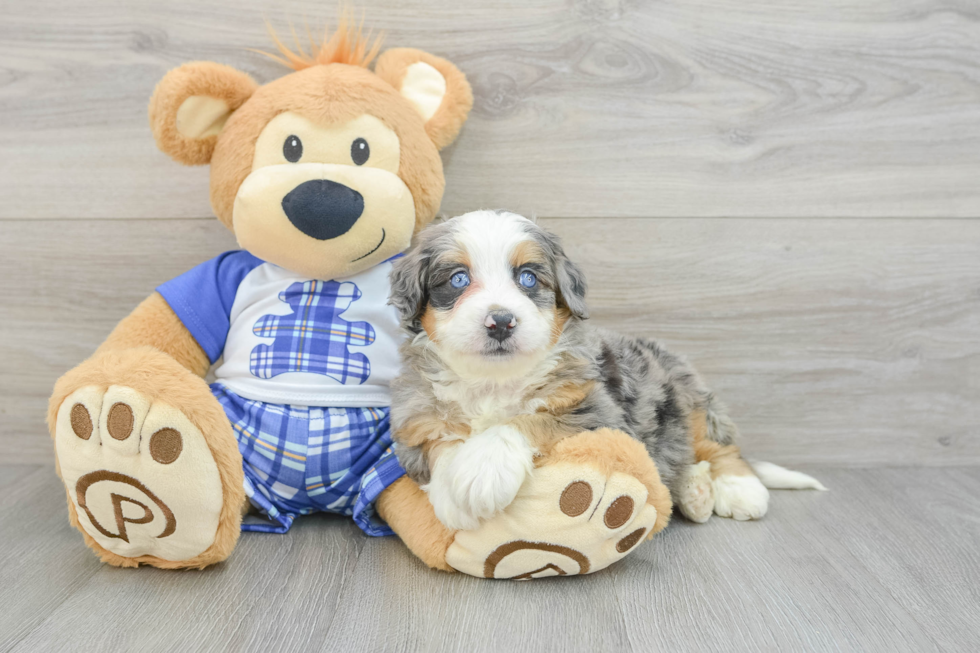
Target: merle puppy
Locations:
point(500, 364)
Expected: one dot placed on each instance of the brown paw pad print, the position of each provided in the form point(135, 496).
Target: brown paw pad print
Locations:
point(165, 444)
point(578, 497)
point(594, 506)
point(81, 421)
point(120, 421)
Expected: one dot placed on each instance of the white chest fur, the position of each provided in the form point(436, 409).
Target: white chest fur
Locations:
point(487, 402)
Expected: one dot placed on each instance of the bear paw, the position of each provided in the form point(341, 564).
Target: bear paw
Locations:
point(587, 507)
point(139, 474)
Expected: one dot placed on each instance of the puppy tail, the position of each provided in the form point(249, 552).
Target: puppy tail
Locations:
point(775, 477)
point(722, 429)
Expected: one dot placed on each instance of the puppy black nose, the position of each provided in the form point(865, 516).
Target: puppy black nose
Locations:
point(323, 209)
point(500, 325)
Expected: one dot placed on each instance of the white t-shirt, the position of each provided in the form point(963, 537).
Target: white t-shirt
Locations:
point(288, 339)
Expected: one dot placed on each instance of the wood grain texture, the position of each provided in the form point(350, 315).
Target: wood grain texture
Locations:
point(861, 567)
point(43, 560)
point(837, 341)
point(53, 585)
point(584, 108)
point(917, 534)
point(67, 285)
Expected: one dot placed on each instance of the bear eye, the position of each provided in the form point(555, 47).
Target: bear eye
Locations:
point(292, 149)
point(528, 280)
point(460, 280)
point(360, 151)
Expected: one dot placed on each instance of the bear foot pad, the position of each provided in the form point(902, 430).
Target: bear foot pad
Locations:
point(567, 519)
point(140, 475)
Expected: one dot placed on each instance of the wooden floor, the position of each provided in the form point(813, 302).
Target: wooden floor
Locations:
point(887, 560)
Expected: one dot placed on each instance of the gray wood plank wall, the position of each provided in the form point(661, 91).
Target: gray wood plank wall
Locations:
point(785, 191)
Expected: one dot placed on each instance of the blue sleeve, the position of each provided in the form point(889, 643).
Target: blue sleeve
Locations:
point(203, 296)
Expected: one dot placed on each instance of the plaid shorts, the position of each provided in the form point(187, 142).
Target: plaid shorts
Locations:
point(304, 459)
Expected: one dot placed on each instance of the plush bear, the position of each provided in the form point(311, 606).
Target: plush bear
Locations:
point(324, 176)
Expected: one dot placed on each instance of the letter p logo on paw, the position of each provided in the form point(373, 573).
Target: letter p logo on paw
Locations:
point(125, 509)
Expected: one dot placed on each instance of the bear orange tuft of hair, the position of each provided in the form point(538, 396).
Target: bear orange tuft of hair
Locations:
point(347, 45)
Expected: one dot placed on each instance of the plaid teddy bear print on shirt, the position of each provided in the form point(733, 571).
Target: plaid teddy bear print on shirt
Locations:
point(314, 338)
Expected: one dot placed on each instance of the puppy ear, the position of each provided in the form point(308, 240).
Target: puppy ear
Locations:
point(409, 277)
point(571, 280)
point(572, 286)
point(190, 106)
point(435, 87)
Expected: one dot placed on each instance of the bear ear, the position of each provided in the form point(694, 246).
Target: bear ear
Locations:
point(190, 106)
point(436, 88)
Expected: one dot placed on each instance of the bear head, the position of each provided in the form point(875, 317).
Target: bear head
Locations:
point(328, 170)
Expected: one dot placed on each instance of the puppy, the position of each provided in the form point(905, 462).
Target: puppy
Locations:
point(500, 365)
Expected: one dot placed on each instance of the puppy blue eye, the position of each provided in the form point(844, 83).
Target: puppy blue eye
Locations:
point(528, 280)
point(460, 280)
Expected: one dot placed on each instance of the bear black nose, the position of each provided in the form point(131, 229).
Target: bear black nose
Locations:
point(323, 209)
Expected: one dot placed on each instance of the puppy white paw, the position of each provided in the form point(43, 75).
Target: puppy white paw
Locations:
point(740, 497)
point(448, 506)
point(479, 477)
point(695, 498)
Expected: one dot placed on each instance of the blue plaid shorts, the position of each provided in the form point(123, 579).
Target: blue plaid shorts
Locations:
point(304, 459)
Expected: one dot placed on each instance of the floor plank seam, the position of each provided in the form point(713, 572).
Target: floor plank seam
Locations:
point(878, 586)
point(625, 623)
point(55, 608)
point(343, 586)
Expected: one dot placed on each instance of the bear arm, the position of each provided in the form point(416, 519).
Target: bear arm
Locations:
point(154, 324)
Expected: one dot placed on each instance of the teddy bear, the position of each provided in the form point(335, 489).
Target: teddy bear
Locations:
point(324, 176)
